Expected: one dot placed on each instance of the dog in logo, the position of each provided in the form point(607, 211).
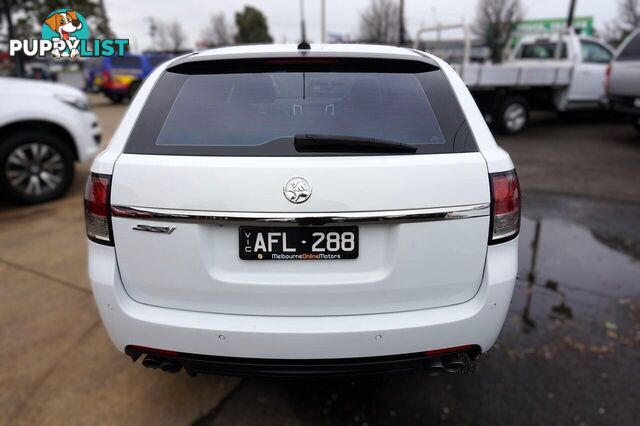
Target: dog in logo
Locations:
point(64, 23)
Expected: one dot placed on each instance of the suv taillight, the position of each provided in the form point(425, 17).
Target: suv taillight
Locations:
point(106, 78)
point(505, 206)
point(97, 210)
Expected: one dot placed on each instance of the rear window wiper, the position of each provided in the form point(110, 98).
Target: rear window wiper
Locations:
point(349, 144)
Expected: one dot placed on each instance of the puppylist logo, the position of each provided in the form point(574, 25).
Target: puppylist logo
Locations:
point(65, 34)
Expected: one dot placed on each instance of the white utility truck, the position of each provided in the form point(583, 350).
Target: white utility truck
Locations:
point(560, 72)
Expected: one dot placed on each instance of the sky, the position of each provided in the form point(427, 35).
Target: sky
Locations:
point(130, 19)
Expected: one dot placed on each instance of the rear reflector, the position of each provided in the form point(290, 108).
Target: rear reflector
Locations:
point(147, 349)
point(97, 210)
point(505, 206)
point(437, 352)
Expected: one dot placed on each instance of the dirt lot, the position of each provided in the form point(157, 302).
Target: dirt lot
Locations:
point(565, 356)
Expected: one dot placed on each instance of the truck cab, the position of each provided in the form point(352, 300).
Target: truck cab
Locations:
point(588, 56)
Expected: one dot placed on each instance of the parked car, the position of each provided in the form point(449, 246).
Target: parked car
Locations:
point(39, 70)
point(623, 85)
point(44, 129)
point(153, 59)
point(118, 77)
point(280, 210)
point(561, 72)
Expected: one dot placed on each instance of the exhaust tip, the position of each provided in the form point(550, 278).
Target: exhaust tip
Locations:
point(456, 363)
point(435, 368)
point(152, 361)
point(171, 366)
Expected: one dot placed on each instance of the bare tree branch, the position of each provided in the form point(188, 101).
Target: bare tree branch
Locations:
point(380, 22)
point(629, 15)
point(495, 22)
point(170, 36)
point(218, 32)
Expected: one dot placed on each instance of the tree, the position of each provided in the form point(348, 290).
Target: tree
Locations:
point(630, 13)
point(495, 22)
point(615, 31)
point(218, 32)
point(170, 36)
point(380, 23)
point(252, 26)
point(30, 14)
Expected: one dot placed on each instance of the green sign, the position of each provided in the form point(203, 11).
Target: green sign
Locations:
point(553, 25)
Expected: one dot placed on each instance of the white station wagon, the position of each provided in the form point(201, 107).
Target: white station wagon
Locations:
point(283, 210)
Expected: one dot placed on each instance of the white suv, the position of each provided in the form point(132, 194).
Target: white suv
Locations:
point(279, 210)
point(44, 128)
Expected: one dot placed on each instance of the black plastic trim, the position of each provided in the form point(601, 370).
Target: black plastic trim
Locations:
point(300, 64)
point(262, 367)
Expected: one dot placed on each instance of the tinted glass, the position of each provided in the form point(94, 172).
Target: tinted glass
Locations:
point(631, 51)
point(594, 53)
point(541, 51)
point(253, 109)
point(214, 108)
point(125, 62)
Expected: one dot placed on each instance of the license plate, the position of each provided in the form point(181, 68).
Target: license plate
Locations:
point(298, 243)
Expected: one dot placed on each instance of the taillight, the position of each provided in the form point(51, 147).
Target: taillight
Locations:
point(106, 78)
point(97, 210)
point(607, 78)
point(505, 206)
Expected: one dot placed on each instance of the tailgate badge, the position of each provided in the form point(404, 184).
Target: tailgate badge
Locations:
point(297, 190)
point(156, 229)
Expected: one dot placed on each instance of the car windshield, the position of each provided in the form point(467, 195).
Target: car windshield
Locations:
point(253, 109)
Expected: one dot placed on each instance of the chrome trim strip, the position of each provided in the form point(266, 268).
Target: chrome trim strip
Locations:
point(247, 218)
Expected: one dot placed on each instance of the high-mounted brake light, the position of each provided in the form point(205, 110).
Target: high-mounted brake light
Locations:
point(97, 209)
point(505, 206)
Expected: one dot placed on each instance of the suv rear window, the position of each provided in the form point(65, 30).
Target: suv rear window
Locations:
point(192, 112)
point(631, 51)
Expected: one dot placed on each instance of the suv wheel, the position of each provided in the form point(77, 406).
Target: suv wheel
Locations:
point(35, 167)
point(513, 115)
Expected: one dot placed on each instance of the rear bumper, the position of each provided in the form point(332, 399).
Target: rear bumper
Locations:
point(229, 366)
point(475, 322)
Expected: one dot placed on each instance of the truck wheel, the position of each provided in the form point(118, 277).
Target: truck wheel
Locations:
point(35, 167)
point(513, 115)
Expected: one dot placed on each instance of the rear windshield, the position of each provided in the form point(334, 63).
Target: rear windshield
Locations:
point(260, 113)
point(541, 50)
point(125, 62)
point(631, 51)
